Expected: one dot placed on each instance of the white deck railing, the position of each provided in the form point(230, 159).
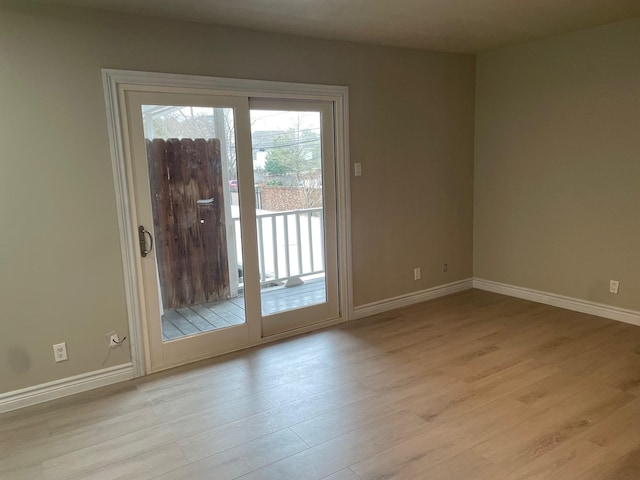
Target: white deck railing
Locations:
point(290, 244)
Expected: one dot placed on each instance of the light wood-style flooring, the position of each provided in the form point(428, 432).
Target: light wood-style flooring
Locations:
point(474, 386)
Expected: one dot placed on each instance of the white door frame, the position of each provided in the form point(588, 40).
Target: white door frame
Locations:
point(115, 81)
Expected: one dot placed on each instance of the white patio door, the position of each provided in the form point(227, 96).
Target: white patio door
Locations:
point(236, 242)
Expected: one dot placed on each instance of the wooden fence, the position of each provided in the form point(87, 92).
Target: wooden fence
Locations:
point(189, 220)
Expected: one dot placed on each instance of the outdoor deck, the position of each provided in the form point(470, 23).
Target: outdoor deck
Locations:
point(192, 320)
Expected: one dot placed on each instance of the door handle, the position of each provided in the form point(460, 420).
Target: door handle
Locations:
point(142, 239)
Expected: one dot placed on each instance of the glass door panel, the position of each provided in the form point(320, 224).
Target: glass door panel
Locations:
point(294, 174)
point(196, 218)
point(184, 151)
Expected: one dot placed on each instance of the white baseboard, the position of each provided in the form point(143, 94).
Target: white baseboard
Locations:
point(575, 304)
point(411, 298)
point(64, 387)
point(100, 378)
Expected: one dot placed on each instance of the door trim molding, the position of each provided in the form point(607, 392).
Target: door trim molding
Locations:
point(128, 249)
point(113, 80)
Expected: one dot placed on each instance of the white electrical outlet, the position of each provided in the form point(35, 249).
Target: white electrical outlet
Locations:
point(60, 352)
point(113, 340)
point(614, 285)
point(357, 169)
point(416, 273)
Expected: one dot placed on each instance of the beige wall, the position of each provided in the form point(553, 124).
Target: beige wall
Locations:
point(60, 269)
point(557, 167)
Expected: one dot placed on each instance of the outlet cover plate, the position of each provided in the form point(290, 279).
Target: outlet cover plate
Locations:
point(110, 336)
point(614, 285)
point(60, 352)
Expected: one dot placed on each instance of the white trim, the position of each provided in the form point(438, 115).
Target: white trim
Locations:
point(64, 387)
point(411, 298)
point(151, 81)
point(300, 331)
point(575, 304)
point(343, 191)
point(127, 243)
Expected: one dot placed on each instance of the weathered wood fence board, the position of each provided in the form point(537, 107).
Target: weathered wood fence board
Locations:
point(188, 218)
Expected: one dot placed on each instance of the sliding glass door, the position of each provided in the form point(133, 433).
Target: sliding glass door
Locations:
point(235, 211)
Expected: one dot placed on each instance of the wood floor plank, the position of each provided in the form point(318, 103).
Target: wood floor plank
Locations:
point(23, 434)
point(557, 464)
point(524, 443)
point(336, 454)
point(598, 453)
point(218, 439)
point(181, 389)
point(146, 466)
point(339, 421)
point(552, 390)
point(457, 402)
point(345, 474)
point(83, 460)
point(620, 428)
point(25, 456)
point(624, 468)
point(245, 458)
point(302, 389)
point(415, 456)
point(465, 465)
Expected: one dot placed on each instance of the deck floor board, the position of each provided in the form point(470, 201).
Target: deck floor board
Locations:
point(181, 322)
